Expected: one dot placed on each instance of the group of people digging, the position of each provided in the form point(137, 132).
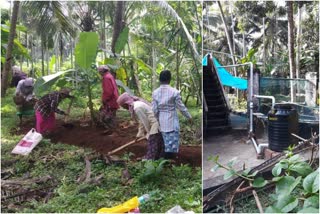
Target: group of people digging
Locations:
point(158, 122)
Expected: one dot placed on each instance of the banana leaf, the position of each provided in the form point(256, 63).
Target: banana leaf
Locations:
point(44, 84)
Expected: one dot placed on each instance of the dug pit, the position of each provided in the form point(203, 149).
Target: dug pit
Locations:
point(104, 141)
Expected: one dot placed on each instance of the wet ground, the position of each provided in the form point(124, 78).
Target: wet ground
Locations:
point(230, 145)
point(84, 135)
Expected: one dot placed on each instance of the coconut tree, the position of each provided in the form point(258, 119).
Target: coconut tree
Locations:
point(118, 24)
point(7, 65)
point(230, 42)
point(156, 35)
point(181, 29)
point(52, 16)
point(292, 63)
point(170, 11)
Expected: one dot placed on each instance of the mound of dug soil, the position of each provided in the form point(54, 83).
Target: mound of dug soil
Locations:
point(102, 141)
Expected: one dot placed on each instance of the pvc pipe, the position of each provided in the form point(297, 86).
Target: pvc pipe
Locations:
point(236, 65)
point(221, 52)
point(267, 97)
point(258, 147)
point(251, 98)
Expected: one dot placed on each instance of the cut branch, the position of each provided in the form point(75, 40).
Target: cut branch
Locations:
point(88, 170)
point(232, 197)
point(255, 195)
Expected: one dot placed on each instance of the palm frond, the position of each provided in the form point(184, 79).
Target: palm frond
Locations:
point(60, 13)
point(170, 11)
point(48, 17)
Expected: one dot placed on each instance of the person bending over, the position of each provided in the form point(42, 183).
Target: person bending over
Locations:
point(46, 107)
point(24, 97)
point(148, 124)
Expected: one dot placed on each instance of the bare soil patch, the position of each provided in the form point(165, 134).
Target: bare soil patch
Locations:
point(93, 137)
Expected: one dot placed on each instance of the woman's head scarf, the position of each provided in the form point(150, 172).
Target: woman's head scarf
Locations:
point(128, 99)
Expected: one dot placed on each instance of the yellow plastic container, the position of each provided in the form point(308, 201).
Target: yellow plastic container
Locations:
point(122, 208)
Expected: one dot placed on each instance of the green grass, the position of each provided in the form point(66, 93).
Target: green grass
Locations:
point(177, 185)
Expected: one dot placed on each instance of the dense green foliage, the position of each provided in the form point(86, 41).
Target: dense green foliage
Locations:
point(155, 36)
point(296, 185)
point(263, 26)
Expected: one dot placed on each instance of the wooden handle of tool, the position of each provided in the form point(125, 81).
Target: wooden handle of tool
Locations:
point(68, 110)
point(125, 145)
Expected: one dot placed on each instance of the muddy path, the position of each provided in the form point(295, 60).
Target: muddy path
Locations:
point(84, 135)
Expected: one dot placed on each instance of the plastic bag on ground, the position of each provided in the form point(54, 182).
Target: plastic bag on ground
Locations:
point(178, 209)
point(27, 143)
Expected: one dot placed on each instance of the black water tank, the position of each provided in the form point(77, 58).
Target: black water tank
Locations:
point(282, 121)
point(307, 127)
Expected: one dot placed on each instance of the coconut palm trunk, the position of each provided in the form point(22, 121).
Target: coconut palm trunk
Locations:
point(7, 66)
point(228, 36)
point(299, 33)
point(118, 24)
point(292, 63)
point(177, 63)
point(42, 55)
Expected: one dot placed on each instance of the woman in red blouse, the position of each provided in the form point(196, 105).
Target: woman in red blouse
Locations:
point(110, 95)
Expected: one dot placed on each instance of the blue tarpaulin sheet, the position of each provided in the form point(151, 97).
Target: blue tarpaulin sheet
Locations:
point(205, 60)
point(225, 77)
point(228, 80)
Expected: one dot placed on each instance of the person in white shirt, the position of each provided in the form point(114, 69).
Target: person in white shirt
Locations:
point(148, 124)
point(166, 100)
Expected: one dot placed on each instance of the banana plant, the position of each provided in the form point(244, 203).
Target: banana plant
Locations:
point(85, 56)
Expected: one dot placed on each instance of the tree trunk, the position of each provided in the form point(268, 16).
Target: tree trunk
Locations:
point(20, 57)
point(274, 47)
point(291, 48)
point(135, 75)
point(298, 40)
point(56, 52)
point(232, 27)
point(42, 56)
point(177, 64)
point(61, 50)
point(71, 61)
point(154, 67)
point(90, 103)
point(244, 45)
point(118, 24)
point(27, 42)
point(228, 37)
point(199, 85)
point(264, 45)
point(47, 56)
point(71, 52)
point(7, 66)
point(103, 37)
point(208, 21)
point(299, 33)
point(32, 74)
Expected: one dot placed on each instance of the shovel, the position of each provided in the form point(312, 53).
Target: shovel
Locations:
point(125, 146)
point(66, 117)
point(110, 158)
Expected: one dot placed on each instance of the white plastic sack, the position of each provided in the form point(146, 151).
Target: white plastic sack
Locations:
point(178, 209)
point(27, 143)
